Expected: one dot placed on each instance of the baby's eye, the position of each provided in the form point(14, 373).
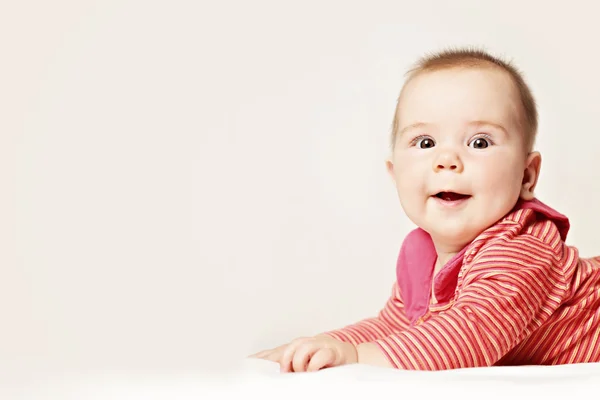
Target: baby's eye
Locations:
point(480, 143)
point(424, 142)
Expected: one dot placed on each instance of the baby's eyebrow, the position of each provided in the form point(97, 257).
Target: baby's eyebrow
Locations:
point(479, 123)
point(488, 123)
point(412, 126)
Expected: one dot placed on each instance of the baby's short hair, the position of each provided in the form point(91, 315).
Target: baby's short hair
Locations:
point(477, 58)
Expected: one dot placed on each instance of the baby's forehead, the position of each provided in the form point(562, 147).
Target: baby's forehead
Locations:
point(456, 77)
point(459, 98)
point(450, 89)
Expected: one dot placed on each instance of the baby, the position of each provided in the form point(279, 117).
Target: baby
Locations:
point(486, 278)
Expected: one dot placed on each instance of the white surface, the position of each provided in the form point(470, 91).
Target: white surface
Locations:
point(258, 378)
point(183, 183)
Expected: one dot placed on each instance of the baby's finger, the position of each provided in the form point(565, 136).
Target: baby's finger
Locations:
point(261, 354)
point(285, 361)
point(275, 355)
point(321, 359)
point(303, 354)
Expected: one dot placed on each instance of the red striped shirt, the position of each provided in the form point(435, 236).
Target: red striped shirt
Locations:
point(516, 295)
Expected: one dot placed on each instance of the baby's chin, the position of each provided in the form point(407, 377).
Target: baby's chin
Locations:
point(450, 231)
point(452, 236)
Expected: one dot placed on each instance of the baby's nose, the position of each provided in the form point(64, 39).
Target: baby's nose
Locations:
point(448, 162)
point(451, 166)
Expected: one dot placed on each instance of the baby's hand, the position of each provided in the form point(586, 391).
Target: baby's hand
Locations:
point(315, 353)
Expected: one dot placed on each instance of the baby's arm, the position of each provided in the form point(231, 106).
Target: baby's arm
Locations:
point(391, 319)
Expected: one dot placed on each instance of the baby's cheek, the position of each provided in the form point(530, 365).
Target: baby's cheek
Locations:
point(413, 199)
point(500, 188)
point(498, 176)
point(411, 187)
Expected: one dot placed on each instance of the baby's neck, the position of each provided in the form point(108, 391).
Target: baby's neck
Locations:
point(445, 254)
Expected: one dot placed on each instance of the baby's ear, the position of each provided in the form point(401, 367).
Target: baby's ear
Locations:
point(389, 165)
point(531, 175)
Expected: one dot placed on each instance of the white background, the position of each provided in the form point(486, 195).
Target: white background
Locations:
point(184, 183)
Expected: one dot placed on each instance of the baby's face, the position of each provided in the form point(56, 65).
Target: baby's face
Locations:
point(459, 158)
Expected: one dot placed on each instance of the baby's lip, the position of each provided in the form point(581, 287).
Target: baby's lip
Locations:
point(450, 195)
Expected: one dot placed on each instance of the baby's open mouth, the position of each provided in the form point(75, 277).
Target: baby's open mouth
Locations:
point(451, 196)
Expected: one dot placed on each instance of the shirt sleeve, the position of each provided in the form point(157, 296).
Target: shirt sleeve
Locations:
point(390, 319)
point(509, 289)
